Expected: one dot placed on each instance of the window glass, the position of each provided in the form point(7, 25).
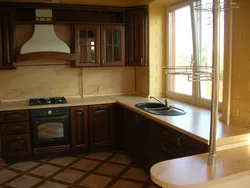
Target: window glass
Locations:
point(180, 48)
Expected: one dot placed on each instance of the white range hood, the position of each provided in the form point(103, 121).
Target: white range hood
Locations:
point(44, 38)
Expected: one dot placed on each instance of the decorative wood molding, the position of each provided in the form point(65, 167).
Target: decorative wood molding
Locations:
point(44, 55)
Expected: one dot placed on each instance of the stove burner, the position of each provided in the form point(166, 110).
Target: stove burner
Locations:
point(45, 101)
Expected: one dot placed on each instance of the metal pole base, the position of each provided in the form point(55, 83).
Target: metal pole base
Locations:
point(211, 160)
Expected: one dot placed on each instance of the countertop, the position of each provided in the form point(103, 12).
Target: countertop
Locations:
point(195, 123)
point(232, 169)
point(72, 101)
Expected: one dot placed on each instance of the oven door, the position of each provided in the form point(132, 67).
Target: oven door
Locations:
point(50, 131)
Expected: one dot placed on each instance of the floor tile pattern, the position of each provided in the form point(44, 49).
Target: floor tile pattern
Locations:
point(95, 170)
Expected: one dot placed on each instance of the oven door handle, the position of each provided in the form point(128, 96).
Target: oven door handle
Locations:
point(54, 118)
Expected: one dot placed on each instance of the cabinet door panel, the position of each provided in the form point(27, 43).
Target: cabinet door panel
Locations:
point(16, 145)
point(137, 37)
point(113, 52)
point(7, 44)
point(101, 125)
point(14, 128)
point(79, 127)
point(9, 116)
point(87, 45)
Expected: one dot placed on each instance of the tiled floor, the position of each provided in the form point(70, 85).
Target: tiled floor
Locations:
point(95, 170)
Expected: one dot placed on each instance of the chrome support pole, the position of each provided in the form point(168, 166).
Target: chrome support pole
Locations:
point(215, 86)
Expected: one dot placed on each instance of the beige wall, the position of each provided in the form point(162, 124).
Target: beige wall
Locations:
point(142, 81)
point(157, 49)
point(52, 79)
point(240, 100)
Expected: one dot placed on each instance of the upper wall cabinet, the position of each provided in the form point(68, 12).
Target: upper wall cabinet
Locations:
point(99, 45)
point(137, 36)
point(7, 49)
point(87, 45)
point(113, 47)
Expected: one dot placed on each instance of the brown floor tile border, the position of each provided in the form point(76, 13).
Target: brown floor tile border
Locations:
point(20, 173)
point(91, 171)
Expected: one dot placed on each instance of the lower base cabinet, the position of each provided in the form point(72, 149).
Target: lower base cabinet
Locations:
point(149, 142)
point(101, 123)
point(79, 127)
point(16, 145)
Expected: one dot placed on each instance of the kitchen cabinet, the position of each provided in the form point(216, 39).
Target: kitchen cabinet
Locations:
point(7, 42)
point(14, 132)
point(101, 126)
point(99, 45)
point(137, 36)
point(16, 145)
point(149, 142)
point(119, 128)
point(113, 46)
point(79, 127)
point(87, 45)
point(130, 131)
point(11, 116)
point(136, 137)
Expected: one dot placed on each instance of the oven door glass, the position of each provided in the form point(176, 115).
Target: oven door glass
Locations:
point(50, 131)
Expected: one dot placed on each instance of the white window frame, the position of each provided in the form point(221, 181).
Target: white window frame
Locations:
point(195, 98)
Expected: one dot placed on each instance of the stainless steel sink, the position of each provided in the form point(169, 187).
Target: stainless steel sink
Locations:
point(160, 109)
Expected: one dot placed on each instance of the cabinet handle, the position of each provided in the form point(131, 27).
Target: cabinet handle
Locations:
point(17, 137)
point(138, 120)
point(79, 113)
point(141, 61)
point(125, 112)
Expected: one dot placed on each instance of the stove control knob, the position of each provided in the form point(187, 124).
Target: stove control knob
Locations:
point(56, 111)
point(49, 112)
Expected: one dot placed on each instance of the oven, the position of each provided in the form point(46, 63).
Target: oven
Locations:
point(50, 127)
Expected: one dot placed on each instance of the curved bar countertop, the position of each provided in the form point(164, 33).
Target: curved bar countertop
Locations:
point(232, 169)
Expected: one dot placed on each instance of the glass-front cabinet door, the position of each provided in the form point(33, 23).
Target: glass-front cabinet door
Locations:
point(112, 45)
point(87, 45)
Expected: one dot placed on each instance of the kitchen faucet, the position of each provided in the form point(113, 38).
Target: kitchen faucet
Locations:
point(160, 101)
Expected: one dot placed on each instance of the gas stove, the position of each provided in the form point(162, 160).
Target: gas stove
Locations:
point(47, 101)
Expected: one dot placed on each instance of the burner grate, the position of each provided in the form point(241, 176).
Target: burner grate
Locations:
point(47, 101)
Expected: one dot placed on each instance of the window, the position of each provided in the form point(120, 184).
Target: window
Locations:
point(190, 34)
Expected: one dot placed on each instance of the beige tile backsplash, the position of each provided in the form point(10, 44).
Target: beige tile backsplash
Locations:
point(63, 80)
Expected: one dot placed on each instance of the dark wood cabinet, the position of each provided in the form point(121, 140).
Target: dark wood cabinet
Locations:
point(113, 45)
point(7, 42)
point(14, 128)
point(13, 125)
point(79, 127)
point(16, 145)
point(11, 116)
point(119, 128)
point(130, 131)
point(137, 37)
point(101, 126)
point(149, 142)
point(99, 45)
point(87, 45)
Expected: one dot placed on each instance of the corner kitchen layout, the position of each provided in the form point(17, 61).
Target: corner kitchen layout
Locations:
point(124, 93)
